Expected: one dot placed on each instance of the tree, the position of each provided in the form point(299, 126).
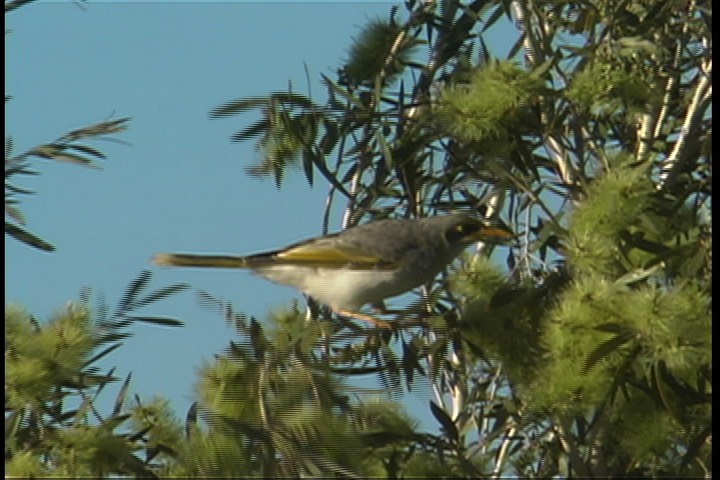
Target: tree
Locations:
point(592, 138)
point(53, 427)
point(588, 356)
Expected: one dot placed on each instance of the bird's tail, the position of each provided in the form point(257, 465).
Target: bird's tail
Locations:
point(199, 260)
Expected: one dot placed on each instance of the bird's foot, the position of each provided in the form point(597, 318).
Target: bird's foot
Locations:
point(364, 317)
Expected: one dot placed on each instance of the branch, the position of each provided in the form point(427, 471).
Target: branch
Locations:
point(564, 429)
point(701, 99)
point(502, 453)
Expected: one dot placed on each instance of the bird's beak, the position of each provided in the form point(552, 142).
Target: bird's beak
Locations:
point(496, 234)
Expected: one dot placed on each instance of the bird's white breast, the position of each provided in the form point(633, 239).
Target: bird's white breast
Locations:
point(338, 288)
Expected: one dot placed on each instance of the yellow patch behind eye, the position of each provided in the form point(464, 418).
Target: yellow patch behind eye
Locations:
point(333, 257)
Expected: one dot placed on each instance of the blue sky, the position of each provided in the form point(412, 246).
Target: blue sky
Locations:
point(175, 181)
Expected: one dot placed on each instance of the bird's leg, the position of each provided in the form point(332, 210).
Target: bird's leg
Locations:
point(366, 318)
point(419, 313)
point(379, 308)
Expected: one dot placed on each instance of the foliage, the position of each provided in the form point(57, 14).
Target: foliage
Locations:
point(379, 53)
point(53, 382)
point(591, 138)
point(67, 148)
point(64, 149)
point(490, 105)
point(588, 356)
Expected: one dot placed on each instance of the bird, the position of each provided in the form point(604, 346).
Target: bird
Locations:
point(364, 264)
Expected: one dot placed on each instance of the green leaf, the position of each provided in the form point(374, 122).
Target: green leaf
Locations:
point(11, 5)
point(127, 302)
point(101, 354)
point(494, 17)
point(447, 424)
point(410, 363)
point(60, 156)
point(82, 410)
point(329, 140)
point(89, 150)
point(112, 337)
point(122, 394)
point(638, 275)
point(385, 149)
point(611, 327)
point(161, 294)
point(308, 158)
point(191, 419)
point(604, 349)
point(14, 213)
point(158, 320)
point(321, 165)
point(28, 238)
point(238, 106)
point(103, 380)
point(343, 93)
point(695, 445)
point(245, 104)
point(252, 131)
point(99, 129)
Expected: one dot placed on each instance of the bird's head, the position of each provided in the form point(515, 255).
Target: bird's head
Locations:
point(460, 230)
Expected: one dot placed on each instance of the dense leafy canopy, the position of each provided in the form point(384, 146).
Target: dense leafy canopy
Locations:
point(588, 356)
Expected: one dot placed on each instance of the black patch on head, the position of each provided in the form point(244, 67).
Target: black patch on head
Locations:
point(462, 230)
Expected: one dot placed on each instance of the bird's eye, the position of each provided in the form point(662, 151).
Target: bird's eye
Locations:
point(460, 231)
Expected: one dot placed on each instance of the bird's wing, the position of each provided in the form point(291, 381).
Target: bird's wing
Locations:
point(322, 254)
